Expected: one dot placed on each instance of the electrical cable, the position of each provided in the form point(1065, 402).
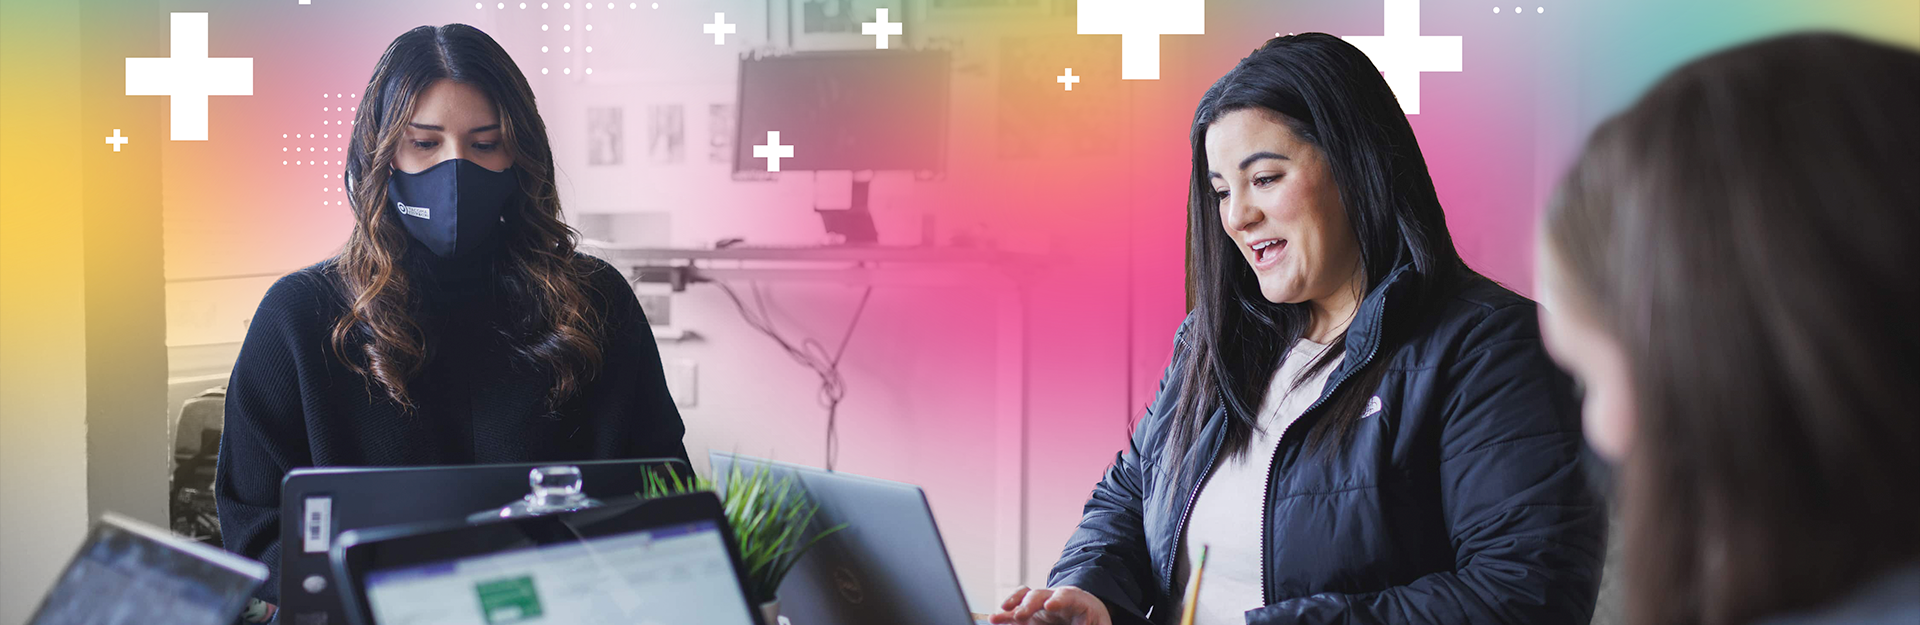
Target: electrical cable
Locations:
point(809, 353)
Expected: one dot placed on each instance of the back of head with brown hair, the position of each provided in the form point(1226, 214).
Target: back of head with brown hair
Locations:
point(1748, 231)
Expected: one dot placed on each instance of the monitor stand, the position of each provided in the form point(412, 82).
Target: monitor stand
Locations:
point(853, 225)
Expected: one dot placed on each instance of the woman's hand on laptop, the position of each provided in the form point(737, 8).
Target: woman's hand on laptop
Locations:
point(1065, 605)
point(258, 611)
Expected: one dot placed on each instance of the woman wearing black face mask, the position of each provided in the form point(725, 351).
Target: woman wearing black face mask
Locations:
point(458, 324)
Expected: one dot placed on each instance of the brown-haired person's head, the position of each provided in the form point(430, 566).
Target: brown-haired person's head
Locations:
point(1729, 271)
point(439, 95)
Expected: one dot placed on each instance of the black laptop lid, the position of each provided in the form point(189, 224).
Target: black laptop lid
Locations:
point(669, 560)
point(317, 504)
point(888, 565)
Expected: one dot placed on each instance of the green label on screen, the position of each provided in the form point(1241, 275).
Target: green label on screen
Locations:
point(510, 600)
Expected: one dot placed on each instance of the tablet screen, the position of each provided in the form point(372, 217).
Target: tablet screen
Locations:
point(664, 575)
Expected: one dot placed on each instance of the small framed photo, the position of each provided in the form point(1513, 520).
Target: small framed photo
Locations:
point(952, 9)
point(666, 134)
point(720, 133)
point(606, 140)
point(837, 24)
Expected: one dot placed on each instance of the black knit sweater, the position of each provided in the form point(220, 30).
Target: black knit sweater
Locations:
point(291, 403)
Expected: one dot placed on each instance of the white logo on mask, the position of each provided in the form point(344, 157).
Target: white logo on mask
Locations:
point(416, 211)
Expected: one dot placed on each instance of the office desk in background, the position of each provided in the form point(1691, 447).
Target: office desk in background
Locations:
point(896, 266)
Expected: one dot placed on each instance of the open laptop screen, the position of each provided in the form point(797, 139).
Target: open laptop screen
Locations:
point(129, 573)
point(669, 574)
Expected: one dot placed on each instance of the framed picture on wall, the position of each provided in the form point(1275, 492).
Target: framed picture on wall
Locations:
point(666, 134)
point(948, 9)
point(836, 24)
point(606, 136)
point(720, 133)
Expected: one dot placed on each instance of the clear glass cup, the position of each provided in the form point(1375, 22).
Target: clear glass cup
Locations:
point(555, 489)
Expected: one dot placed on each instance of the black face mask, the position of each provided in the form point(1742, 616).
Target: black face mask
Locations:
point(453, 206)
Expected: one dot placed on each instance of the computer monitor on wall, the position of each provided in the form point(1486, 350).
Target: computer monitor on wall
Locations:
point(858, 111)
point(864, 110)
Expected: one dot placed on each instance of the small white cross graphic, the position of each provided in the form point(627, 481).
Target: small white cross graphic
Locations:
point(719, 28)
point(189, 77)
point(880, 28)
point(1067, 79)
point(1401, 53)
point(773, 151)
point(117, 140)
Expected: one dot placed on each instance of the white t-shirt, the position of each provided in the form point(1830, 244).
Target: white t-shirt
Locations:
point(1227, 515)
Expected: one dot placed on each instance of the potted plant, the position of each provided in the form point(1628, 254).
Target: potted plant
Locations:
point(771, 517)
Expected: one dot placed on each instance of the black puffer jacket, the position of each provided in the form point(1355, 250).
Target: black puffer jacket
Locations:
point(1461, 501)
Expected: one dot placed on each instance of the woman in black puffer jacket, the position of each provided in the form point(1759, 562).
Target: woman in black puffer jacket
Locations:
point(1358, 427)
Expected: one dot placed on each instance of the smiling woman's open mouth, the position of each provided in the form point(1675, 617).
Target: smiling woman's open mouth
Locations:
point(1267, 252)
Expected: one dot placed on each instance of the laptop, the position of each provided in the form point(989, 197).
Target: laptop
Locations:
point(317, 504)
point(664, 561)
point(889, 564)
point(128, 573)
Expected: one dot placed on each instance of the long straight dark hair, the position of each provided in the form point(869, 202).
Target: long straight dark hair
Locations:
point(552, 321)
point(1331, 95)
point(1747, 231)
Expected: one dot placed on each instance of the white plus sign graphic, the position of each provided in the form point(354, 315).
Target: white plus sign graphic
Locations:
point(1140, 23)
point(1402, 53)
point(719, 28)
point(189, 77)
point(117, 140)
point(1067, 79)
point(773, 151)
point(880, 28)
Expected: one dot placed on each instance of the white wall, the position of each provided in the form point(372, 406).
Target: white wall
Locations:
point(43, 475)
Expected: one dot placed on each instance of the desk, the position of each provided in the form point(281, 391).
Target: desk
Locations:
point(844, 264)
point(842, 253)
point(872, 265)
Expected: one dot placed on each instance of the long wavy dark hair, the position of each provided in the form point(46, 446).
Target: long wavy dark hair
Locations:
point(552, 321)
point(1330, 95)
point(1746, 231)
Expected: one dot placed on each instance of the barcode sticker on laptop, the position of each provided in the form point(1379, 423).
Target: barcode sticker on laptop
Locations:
point(317, 525)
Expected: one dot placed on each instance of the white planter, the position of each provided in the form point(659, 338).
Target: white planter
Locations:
point(770, 613)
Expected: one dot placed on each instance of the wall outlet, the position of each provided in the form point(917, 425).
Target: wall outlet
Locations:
point(683, 382)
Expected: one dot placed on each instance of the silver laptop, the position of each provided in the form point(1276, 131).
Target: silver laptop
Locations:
point(129, 573)
point(889, 564)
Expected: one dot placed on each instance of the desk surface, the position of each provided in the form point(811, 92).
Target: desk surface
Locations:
point(853, 253)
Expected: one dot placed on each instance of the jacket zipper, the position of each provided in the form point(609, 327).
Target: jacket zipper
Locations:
point(1166, 587)
point(1266, 507)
